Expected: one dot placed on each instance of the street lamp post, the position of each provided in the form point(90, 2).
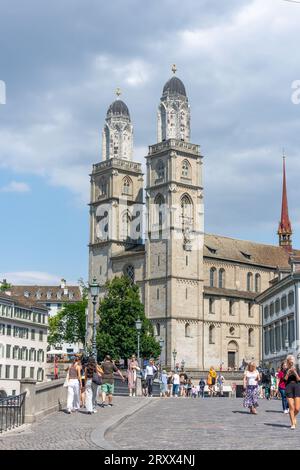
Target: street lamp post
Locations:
point(138, 326)
point(182, 365)
point(161, 345)
point(174, 353)
point(94, 290)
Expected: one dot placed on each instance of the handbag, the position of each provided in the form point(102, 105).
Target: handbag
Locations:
point(66, 382)
point(97, 379)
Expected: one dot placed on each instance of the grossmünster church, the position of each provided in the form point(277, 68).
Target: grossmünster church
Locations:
point(198, 288)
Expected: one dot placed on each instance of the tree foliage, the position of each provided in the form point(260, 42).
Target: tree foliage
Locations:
point(69, 325)
point(118, 311)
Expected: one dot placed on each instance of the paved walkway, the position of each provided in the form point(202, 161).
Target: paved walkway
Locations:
point(212, 423)
point(161, 424)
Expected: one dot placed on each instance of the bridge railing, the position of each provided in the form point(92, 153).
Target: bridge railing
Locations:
point(12, 412)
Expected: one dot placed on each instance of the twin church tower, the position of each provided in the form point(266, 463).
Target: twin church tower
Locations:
point(198, 289)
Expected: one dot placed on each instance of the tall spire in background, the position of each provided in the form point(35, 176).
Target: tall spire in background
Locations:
point(285, 227)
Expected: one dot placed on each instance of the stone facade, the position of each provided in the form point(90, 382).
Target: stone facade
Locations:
point(198, 289)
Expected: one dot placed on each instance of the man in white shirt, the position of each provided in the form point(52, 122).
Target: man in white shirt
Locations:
point(151, 369)
point(176, 383)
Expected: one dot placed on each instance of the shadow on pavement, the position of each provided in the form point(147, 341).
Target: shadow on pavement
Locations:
point(273, 425)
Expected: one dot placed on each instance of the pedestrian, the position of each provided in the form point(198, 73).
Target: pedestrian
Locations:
point(281, 386)
point(211, 380)
point(83, 364)
point(183, 381)
point(164, 384)
point(189, 388)
point(170, 383)
point(266, 383)
point(251, 379)
point(133, 367)
point(92, 370)
point(176, 383)
point(292, 389)
point(151, 370)
point(194, 391)
point(107, 387)
point(220, 382)
point(202, 387)
point(74, 386)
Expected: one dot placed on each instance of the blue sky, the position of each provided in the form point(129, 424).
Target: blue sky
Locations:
point(61, 62)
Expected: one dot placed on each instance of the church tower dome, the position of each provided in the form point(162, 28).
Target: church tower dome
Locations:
point(117, 135)
point(173, 120)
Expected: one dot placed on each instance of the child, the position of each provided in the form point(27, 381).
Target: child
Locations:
point(194, 391)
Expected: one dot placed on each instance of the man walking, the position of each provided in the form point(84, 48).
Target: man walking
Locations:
point(107, 387)
point(151, 369)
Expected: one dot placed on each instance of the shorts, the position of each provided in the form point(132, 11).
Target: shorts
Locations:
point(292, 390)
point(107, 388)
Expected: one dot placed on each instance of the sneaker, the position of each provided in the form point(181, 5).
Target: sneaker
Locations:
point(68, 412)
point(286, 412)
point(94, 411)
point(102, 405)
point(293, 427)
point(110, 404)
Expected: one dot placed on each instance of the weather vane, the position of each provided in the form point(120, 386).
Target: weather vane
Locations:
point(118, 92)
point(174, 68)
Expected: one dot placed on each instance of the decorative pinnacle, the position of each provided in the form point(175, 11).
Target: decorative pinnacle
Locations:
point(118, 92)
point(174, 68)
point(283, 153)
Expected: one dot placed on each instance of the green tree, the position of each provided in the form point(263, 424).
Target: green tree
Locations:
point(118, 311)
point(69, 325)
point(5, 286)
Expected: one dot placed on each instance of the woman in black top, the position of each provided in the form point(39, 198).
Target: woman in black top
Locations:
point(292, 389)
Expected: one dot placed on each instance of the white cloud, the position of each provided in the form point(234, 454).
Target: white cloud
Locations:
point(33, 278)
point(15, 187)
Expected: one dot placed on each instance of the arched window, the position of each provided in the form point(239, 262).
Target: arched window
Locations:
point(158, 329)
point(186, 169)
point(125, 226)
point(159, 210)
point(291, 299)
point(250, 282)
point(221, 278)
point(127, 186)
point(186, 212)
point(160, 169)
point(212, 277)
point(211, 334)
point(103, 186)
point(129, 272)
point(251, 337)
point(257, 283)
point(187, 330)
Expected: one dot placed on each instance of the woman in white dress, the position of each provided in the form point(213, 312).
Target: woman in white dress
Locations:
point(251, 388)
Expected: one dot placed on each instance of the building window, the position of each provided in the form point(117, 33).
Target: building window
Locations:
point(129, 272)
point(231, 307)
point(211, 306)
point(212, 277)
point(16, 372)
point(8, 349)
point(186, 260)
point(211, 334)
point(186, 213)
point(186, 169)
point(158, 329)
point(40, 336)
point(186, 293)
point(23, 372)
point(32, 372)
point(272, 309)
point(160, 170)
point(103, 186)
point(249, 282)
point(250, 310)
point(158, 260)
point(277, 306)
point(272, 342)
point(33, 335)
point(187, 330)
point(127, 186)
point(126, 222)
point(257, 283)
point(221, 278)
point(8, 330)
point(266, 312)
point(251, 337)
point(232, 330)
point(2, 329)
point(157, 294)
point(7, 372)
point(291, 326)
point(277, 336)
point(283, 302)
point(291, 299)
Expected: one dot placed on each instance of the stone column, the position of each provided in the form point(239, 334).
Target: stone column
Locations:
point(29, 386)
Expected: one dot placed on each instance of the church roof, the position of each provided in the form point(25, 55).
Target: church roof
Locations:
point(219, 247)
point(118, 108)
point(174, 86)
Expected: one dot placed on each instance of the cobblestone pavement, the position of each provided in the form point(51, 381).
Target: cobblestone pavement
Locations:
point(212, 423)
point(62, 431)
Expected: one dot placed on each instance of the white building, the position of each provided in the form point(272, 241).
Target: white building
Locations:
point(23, 342)
point(53, 297)
point(280, 311)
